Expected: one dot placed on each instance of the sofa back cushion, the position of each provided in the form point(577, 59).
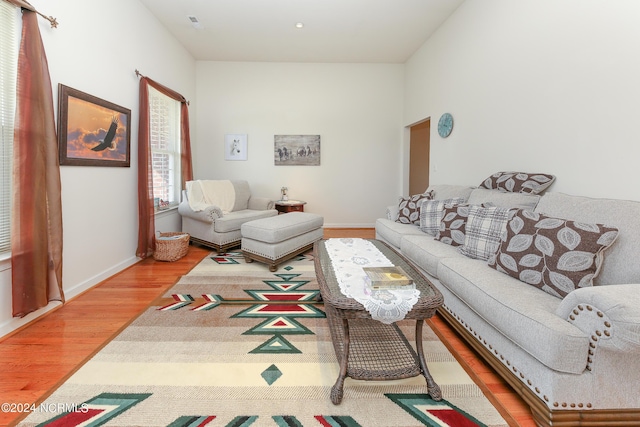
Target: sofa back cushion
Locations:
point(446, 191)
point(243, 193)
point(504, 200)
point(620, 263)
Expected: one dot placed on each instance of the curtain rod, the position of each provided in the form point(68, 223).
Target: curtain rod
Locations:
point(24, 4)
point(139, 74)
point(53, 21)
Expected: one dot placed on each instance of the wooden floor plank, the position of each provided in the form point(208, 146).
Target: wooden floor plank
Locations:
point(39, 357)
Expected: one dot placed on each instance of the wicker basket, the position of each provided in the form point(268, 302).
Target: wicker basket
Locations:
point(171, 249)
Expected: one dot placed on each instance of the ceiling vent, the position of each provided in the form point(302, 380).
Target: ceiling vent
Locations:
point(194, 22)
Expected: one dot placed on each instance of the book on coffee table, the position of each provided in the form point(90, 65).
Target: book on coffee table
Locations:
point(388, 278)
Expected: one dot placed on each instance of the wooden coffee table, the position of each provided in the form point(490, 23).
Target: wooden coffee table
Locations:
point(366, 348)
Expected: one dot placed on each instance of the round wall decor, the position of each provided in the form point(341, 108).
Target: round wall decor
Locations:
point(445, 125)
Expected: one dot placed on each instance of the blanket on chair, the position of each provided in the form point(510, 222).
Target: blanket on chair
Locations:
point(204, 193)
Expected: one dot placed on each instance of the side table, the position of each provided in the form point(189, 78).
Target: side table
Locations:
point(286, 206)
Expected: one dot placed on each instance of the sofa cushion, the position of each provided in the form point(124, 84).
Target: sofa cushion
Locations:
point(426, 252)
point(553, 254)
point(392, 232)
point(431, 214)
point(234, 220)
point(281, 227)
point(621, 261)
point(484, 230)
point(520, 312)
point(409, 208)
point(502, 199)
point(518, 182)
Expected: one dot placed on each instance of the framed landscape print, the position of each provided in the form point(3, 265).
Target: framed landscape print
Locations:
point(92, 131)
point(296, 150)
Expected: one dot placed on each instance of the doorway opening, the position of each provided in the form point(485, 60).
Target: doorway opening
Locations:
point(419, 147)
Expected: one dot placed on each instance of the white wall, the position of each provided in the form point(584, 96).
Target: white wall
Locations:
point(355, 108)
point(96, 49)
point(534, 85)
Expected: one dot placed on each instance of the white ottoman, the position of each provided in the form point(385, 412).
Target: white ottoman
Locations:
point(279, 238)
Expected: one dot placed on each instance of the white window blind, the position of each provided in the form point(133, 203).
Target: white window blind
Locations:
point(164, 134)
point(9, 45)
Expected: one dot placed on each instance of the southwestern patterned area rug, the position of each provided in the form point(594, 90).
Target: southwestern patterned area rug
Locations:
point(232, 344)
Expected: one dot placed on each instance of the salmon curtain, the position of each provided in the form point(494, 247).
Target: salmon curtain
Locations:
point(146, 221)
point(36, 223)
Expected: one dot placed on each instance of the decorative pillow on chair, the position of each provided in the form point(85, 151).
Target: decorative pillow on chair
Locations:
point(553, 254)
point(431, 214)
point(484, 230)
point(409, 208)
point(518, 182)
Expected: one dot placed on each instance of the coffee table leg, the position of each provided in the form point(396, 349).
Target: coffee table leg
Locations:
point(337, 389)
point(432, 387)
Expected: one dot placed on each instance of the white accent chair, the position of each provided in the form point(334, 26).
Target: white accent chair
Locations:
point(221, 231)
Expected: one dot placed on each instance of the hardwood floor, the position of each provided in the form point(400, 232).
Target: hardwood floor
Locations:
point(40, 356)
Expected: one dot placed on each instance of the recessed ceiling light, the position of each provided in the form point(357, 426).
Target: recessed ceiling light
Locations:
point(299, 25)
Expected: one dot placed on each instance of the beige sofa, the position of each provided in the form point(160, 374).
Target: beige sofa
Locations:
point(574, 359)
point(216, 219)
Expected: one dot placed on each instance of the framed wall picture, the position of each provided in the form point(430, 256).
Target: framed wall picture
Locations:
point(92, 131)
point(296, 150)
point(235, 146)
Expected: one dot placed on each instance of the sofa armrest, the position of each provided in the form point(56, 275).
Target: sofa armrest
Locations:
point(260, 203)
point(610, 314)
point(210, 214)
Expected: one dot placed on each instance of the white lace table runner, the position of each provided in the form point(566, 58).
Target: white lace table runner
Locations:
point(348, 256)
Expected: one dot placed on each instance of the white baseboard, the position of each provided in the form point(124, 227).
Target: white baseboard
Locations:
point(16, 323)
point(91, 282)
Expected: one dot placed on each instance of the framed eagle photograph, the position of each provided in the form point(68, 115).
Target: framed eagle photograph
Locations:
point(92, 131)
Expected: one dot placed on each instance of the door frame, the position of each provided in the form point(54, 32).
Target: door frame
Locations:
point(419, 145)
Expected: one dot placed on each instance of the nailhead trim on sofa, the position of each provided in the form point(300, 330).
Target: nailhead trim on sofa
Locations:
point(599, 334)
point(513, 368)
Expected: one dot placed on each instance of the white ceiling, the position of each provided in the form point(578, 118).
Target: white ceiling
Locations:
point(387, 31)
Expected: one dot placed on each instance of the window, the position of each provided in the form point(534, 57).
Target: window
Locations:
point(9, 46)
point(164, 134)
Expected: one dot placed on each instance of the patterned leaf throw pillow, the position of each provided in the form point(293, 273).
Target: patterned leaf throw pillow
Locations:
point(409, 208)
point(484, 230)
point(553, 254)
point(518, 182)
point(431, 214)
point(454, 223)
